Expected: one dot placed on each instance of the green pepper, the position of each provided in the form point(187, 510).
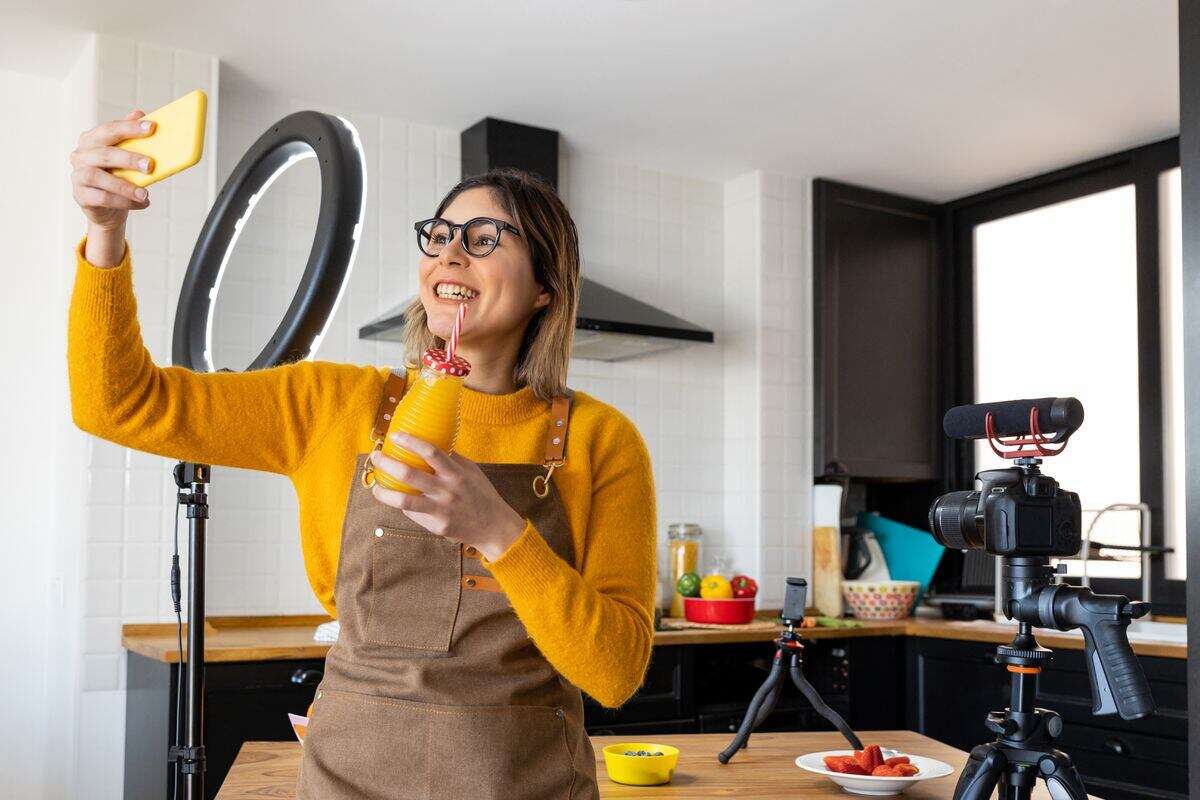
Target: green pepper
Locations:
point(688, 585)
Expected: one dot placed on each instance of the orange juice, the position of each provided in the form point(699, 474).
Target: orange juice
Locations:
point(428, 411)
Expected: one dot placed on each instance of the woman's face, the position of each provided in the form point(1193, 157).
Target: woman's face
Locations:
point(503, 294)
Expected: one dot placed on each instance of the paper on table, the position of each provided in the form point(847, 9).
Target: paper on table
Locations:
point(299, 726)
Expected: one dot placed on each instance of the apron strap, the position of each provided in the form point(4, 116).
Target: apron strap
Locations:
point(393, 390)
point(556, 442)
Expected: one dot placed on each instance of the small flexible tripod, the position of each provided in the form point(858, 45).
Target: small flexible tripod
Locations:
point(788, 647)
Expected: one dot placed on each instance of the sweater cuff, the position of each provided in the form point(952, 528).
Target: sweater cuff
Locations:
point(102, 290)
point(527, 566)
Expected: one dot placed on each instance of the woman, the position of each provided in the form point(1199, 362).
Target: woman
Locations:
point(474, 613)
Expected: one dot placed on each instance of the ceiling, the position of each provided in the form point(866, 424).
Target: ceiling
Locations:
point(933, 98)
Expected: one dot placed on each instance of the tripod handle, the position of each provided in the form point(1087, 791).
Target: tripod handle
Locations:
point(1118, 683)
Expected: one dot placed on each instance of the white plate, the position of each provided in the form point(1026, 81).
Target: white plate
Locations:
point(872, 785)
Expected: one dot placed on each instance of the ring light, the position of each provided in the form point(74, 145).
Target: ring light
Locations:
point(335, 143)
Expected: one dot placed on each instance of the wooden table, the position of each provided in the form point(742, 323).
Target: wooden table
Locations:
point(765, 770)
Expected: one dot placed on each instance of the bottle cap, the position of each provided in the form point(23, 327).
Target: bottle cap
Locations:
point(436, 359)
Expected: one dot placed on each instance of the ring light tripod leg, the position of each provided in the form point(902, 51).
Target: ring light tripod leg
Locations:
point(1062, 781)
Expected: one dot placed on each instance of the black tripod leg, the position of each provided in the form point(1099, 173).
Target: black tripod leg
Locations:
point(980, 773)
point(824, 710)
point(1062, 781)
point(760, 706)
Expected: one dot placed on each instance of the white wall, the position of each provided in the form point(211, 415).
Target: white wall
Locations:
point(32, 592)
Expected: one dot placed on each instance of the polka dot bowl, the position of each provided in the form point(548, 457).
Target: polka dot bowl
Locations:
point(880, 600)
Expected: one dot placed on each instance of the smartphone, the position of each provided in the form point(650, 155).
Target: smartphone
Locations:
point(177, 142)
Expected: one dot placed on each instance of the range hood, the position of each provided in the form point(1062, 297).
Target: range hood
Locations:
point(609, 325)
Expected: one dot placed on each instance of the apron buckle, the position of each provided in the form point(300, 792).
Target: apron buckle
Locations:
point(541, 483)
point(368, 474)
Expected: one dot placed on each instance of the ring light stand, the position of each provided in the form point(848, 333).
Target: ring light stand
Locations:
point(335, 144)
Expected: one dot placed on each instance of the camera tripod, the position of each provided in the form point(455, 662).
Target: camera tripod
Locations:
point(788, 648)
point(1023, 750)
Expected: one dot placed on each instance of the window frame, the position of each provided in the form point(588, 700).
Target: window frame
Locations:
point(1141, 167)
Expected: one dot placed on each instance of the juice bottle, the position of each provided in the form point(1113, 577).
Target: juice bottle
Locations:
point(683, 542)
point(429, 411)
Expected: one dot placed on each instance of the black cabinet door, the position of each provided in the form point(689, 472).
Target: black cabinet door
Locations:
point(954, 686)
point(876, 274)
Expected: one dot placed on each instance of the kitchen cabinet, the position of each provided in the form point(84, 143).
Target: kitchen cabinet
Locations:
point(877, 279)
point(955, 684)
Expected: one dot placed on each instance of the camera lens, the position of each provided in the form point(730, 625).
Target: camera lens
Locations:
point(952, 520)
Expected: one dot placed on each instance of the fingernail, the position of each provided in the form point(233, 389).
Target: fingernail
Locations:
point(146, 124)
point(140, 194)
point(144, 165)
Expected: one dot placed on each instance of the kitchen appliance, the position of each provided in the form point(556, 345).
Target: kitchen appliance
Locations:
point(609, 325)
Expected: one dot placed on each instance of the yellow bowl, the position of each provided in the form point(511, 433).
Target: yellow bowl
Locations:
point(640, 770)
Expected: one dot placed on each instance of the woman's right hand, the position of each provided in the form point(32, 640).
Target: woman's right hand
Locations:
point(105, 199)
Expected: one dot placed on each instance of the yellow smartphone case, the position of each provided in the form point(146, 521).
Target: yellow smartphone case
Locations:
point(177, 142)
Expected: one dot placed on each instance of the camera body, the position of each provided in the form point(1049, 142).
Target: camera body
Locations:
point(1017, 511)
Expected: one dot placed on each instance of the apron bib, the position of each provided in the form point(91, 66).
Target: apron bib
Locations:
point(434, 690)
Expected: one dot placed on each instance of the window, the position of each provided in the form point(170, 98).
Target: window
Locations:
point(1069, 283)
point(1056, 315)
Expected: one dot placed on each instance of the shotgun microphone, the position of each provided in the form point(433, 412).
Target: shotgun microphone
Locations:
point(1058, 417)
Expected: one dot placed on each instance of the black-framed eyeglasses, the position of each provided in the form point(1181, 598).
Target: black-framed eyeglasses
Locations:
point(479, 236)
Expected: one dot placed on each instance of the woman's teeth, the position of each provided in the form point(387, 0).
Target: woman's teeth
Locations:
point(450, 291)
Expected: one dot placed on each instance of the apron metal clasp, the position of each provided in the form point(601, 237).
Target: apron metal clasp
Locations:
point(368, 474)
point(541, 483)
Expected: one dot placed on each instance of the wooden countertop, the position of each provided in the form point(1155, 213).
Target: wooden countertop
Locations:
point(290, 637)
point(765, 770)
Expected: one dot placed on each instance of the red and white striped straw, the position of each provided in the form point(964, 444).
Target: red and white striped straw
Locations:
point(452, 345)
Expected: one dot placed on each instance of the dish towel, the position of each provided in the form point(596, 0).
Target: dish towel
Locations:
point(327, 632)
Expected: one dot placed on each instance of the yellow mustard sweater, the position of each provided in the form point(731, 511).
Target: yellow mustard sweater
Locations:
point(593, 619)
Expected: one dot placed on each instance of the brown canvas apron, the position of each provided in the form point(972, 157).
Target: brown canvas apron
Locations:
point(434, 689)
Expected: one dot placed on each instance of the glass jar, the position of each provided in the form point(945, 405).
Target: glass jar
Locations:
point(683, 546)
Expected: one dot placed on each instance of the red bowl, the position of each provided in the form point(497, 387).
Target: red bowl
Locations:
point(734, 611)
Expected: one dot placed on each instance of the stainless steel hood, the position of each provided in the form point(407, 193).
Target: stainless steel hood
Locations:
point(609, 325)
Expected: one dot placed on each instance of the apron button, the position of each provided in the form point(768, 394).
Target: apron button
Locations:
point(558, 712)
point(470, 583)
point(379, 531)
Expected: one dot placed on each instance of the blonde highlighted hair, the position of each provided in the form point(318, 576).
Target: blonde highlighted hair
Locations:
point(549, 231)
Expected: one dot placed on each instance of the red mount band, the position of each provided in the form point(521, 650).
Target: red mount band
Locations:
point(1036, 439)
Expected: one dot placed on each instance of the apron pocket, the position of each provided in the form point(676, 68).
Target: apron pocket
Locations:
point(499, 753)
point(414, 590)
point(364, 748)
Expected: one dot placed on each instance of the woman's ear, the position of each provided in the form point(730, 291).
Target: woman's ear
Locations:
point(543, 298)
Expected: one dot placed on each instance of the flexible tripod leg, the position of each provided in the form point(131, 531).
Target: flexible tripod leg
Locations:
point(760, 706)
point(824, 710)
point(980, 773)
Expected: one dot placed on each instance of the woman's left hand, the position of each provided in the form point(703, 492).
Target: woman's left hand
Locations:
point(457, 500)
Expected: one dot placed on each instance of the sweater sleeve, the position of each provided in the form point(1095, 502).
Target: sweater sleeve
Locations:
point(264, 420)
point(595, 626)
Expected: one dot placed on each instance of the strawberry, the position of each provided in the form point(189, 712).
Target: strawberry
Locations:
point(844, 764)
point(894, 760)
point(869, 758)
point(884, 771)
point(906, 770)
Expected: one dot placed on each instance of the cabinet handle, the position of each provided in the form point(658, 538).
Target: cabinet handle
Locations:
point(1117, 746)
point(307, 677)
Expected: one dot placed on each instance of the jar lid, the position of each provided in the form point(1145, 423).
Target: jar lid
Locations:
point(435, 358)
point(679, 530)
